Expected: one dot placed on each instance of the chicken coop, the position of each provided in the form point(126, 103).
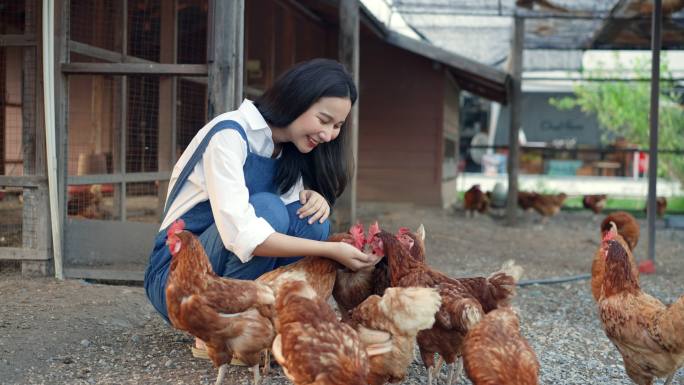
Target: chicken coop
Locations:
point(131, 91)
point(135, 79)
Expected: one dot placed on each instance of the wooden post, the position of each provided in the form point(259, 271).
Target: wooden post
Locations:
point(653, 139)
point(167, 99)
point(349, 52)
point(225, 56)
point(36, 226)
point(514, 97)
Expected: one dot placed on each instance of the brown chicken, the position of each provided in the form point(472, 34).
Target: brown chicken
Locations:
point(598, 266)
point(475, 200)
point(492, 292)
point(207, 306)
point(495, 353)
point(548, 205)
point(627, 227)
point(319, 272)
point(402, 313)
point(463, 300)
point(525, 199)
point(595, 203)
point(661, 206)
point(353, 287)
point(86, 203)
point(413, 242)
point(648, 334)
point(312, 346)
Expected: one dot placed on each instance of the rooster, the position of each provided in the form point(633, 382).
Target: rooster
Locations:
point(595, 203)
point(463, 300)
point(474, 200)
point(312, 346)
point(648, 334)
point(495, 353)
point(233, 317)
point(402, 313)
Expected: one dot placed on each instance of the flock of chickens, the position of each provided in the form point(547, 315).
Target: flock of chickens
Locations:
point(384, 310)
point(546, 205)
point(400, 302)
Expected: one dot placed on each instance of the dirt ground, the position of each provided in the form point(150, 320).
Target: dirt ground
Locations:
point(77, 332)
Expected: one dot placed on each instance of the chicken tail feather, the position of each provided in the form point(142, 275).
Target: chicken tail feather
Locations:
point(413, 309)
point(510, 268)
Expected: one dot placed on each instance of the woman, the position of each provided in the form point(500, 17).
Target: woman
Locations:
point(256, 185)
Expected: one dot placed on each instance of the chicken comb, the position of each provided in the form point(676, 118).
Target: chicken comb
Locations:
point(373, 229)
point(175, 228)
point(403, 230)
point(356, 230)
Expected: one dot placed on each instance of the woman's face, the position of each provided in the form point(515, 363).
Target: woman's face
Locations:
point(321, 123)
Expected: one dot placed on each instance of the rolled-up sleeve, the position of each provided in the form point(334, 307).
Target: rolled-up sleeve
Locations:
point(240, 229)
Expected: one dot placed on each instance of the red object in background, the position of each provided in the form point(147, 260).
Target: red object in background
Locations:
point(81, 188)
point(643, 162)
point(647, 267)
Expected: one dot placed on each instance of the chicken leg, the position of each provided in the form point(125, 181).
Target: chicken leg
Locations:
point(438, 366)
point(257, 374)
point(454, 368)
point(221, 374)
point(669, 379)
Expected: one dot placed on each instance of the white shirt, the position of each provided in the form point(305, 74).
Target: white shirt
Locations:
point(219, 177)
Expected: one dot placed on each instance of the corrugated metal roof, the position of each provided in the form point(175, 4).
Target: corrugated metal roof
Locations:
point(481, 29)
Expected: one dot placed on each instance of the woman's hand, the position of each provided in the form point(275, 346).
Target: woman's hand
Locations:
point(314, 205)
point(352, 257)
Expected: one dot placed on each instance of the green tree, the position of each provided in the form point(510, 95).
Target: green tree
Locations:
point(622, 108)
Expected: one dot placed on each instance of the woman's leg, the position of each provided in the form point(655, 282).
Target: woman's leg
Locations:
point(267, 206)
point(302, 229)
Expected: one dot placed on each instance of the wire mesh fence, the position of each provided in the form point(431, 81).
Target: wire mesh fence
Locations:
point(121, 125)
point(19, 212)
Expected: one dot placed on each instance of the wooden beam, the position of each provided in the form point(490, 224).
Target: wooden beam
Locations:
point(345, 210)
point(23, 181)
point(225, 56)
point(25, 40)
point(119, 178)
point(135, 69)
point(23, 254)
point(514, 129)
point(167, 100)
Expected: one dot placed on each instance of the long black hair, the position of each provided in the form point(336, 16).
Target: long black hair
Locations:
point(327, 168)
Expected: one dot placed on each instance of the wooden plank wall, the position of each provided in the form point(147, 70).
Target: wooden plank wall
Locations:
point(278, 35)
point(400, 125)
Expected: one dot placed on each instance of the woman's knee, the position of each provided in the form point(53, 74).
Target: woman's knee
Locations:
point(318, 231)
point(272, 209)
point(300, 227)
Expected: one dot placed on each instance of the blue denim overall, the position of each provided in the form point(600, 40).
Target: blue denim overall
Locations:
point(259, 174)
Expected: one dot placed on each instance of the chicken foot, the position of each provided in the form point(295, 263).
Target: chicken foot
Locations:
point(438, 366)
point(454, 368)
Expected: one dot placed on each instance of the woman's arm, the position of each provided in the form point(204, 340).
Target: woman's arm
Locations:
point(281, 245)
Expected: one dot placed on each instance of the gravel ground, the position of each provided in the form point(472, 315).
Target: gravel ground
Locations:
point(75, 332)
